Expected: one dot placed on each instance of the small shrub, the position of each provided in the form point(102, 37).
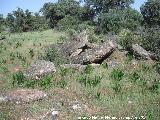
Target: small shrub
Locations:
point(31, 52)
point(130, 57)
point(3, 61)
point(157, 67)
point(116, 87)
point(12, 56)
point(18, 78)
point(145, 67)
point(63, 71)
point(150, 115)
point(18, 44)
point(88, 69)
point(62, 84)
point(117, 75)
point(4, 69)
point(127, 38)
point(155, 87)
point(98, 96)
point(87, 80)
point(135, 76)
point(52, 54)
point(45, 82)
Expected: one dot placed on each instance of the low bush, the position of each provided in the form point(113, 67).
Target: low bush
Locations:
point(18, 78)
point(117, 74)
point(88, 69)
point(52, 54)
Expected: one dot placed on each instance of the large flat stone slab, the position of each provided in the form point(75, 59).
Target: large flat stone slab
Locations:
point(25, 95)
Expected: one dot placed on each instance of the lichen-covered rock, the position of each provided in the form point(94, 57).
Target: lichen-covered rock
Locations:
point(95, 55)
point(20, 96)
point(39, 69)
point(140, 52)
point(78, 42)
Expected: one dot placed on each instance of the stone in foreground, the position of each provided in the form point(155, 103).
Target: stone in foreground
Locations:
point(20, 96)
point(39, 69)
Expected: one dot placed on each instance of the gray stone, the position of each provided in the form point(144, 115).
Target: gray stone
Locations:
point(95, 55)
point(140, 52)
point(39, 69)
point(78, 42)
point(20, 96)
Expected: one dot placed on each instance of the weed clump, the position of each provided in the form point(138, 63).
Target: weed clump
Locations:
point(117, 75)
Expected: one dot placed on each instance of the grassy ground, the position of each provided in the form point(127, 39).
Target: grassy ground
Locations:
point(130, 89)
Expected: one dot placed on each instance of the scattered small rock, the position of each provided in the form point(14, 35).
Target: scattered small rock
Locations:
point(54, 115)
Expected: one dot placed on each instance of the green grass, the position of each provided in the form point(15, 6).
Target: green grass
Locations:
point(128, 90)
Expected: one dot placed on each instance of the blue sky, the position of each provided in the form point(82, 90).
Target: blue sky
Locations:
point(7, 6)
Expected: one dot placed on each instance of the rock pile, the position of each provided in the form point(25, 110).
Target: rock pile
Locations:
point(81, 51)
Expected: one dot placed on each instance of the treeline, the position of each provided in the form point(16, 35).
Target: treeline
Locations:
point(23, 21)
point(104, 15)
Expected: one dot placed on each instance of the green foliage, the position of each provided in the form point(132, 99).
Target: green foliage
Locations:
point(150, 115)
point(151, 12)
point(135, 76)
point(155, 86)
point(105, 5)
point(62, 84)
point(2, 36)
point(117, 74)
point(105, 65)
point(130, 57)
point(117, 19)
point(98, 96)
point(139, 80)
point(18, 44)
point(23, 21)
point(68, 22)
point(52, 54)
point(151, 40)
point(4, 70)
point(31, 52)
point(12, 56)
point(63, 71)
point(90, 81)
point(126, 38)
point(57, 11)
point(157, 66)
point(116, 87)
point(18, 78)
point(88, 69)
point(45, 82)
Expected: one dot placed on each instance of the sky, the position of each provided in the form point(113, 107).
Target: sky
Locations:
point(6, 6)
